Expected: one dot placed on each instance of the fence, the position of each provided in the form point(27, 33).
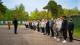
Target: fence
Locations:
point(76, 20)
point(6, 22)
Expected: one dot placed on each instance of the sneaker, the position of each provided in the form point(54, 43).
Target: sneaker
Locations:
point(64, 41)
point(35, 31)
point(58, 39)
point(55, 38)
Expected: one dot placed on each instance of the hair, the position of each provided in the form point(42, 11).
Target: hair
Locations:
point(64, 17)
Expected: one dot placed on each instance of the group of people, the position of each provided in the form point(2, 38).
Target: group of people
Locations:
point(59, 28)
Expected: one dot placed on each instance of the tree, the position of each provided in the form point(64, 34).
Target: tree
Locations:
point(71, 12)
point(38, 15)
point(54, 8)
point(44, 15)
point(2, 8)
point(60, 10)
point(20, 12)
point(34, 14)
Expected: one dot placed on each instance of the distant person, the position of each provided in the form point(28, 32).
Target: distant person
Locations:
point(38, 28)
point(26, 24)
point(70, 30)
point(47, 28)
point(30, 25)
point(43, 26)
point(9, 25)
point(15, 22)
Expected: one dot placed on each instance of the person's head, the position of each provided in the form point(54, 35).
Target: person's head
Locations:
point(63, 17)
point(42, 19)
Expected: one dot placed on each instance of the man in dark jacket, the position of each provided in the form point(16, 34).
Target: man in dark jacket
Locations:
point(38, 28)
point(70, 30)
point(64, 28)
point(15, 22)
point(47, 28)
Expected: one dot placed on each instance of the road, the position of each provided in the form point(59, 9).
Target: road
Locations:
point(28, 37)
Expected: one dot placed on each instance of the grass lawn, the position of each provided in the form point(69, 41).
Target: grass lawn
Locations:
point(77, 33)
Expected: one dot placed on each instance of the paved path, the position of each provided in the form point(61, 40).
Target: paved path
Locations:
point(28, 37)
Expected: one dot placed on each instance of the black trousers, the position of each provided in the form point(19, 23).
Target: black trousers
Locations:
point(48, 30)
point(15, 29)
point(52, 32)
point(35, 27)
point(26, 26)
point(70, 35)
point(38, 29)
point(43, 30)
point(64, 31)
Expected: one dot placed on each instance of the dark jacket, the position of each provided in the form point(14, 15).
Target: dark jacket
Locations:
point(70, 26)
point(47, 24)
point(15, 22)
point(64, 24)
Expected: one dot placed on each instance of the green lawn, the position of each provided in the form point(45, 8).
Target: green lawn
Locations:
point(77, 33)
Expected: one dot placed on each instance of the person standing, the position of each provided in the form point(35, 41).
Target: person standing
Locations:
point(64, 28)
point(30, 24)
point(38, 28)
point(58, 28)
point(15, 23)
point(9, 25)
point(26, 24)
point(36, 23)
point(47, 28)
point(70, 30)
point(43, 26)
point(51, 23)
point(54, 29)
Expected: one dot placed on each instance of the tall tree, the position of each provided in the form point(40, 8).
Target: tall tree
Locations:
point(53, 8)
point(20, 12)
point(34, 14)
point(38, 15)
point(2, 8)
point(60, 10)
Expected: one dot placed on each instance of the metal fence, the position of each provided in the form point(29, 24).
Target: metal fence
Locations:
point(6, 22)
point(76, 20)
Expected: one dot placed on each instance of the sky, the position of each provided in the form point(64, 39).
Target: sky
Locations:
point(31, 5)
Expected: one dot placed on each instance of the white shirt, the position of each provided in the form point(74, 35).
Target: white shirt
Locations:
point(27, 23)
point(43, 24)
point(59, 23)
